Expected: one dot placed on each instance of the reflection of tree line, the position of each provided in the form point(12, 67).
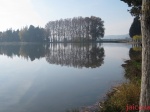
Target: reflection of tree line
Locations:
point(27, 51)
point(75, 55)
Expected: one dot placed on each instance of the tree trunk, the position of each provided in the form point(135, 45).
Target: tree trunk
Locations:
point(145, 84)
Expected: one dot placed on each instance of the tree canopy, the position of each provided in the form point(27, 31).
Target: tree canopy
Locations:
point(26, 34)
point(77, 29)
point(135, 5)
point(135, 10)
point(135, 28)
point(32, 34)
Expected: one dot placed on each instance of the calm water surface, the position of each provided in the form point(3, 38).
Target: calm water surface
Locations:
point(58, 77)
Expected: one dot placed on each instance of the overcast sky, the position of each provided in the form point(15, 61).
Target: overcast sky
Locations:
point(18, 13)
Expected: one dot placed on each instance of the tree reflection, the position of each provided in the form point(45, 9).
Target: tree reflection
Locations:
point(27, 51)
point(135, 52)
point(95, 56)
point(74, 55)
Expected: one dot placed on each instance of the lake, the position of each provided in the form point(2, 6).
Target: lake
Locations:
point(58, 77)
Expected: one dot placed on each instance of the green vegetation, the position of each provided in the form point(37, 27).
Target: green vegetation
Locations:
point(135, 11)
point(135, 28)
point(120, 97)
point(127, 93)
point(137, 38)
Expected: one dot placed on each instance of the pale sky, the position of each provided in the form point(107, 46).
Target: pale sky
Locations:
point(16, 14)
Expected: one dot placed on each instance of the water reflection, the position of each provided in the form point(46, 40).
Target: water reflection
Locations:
point(74, 55)
point(37, 86)
point(27, 51)
point(135, 53)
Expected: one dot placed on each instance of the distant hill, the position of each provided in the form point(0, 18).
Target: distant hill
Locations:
point(116, 36)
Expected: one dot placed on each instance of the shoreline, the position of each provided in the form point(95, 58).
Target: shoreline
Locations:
point(121, 96)
point(126, 93)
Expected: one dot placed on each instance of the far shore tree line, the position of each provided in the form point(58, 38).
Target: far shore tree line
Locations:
point(26, 34)
point(77, 29)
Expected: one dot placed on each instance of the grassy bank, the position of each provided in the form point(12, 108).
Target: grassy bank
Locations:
point(127, 93)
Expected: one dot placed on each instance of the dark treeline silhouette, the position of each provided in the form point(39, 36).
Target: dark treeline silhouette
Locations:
point(135, 10)
point(27, 51)
point(135, 28)
point(135, 7)
point(77, 29)
point(9, 36)
point(74, 55)
point(26, 34)
point(33, 34)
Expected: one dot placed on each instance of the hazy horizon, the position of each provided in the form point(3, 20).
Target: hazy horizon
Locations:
point(17, 14)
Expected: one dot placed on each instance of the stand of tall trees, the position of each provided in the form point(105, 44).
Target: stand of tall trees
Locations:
point(77, 29)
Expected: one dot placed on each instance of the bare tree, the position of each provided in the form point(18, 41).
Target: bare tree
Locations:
point(76, 29)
